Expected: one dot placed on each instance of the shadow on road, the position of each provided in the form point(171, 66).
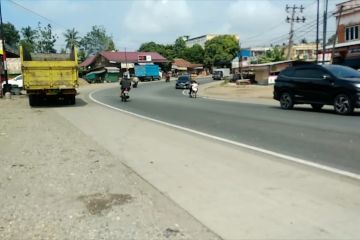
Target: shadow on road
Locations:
point(308, 109)
point(59, 103)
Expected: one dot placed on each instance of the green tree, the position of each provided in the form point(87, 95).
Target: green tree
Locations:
point(111, 46)
point(194, 54)
point(179, 47)
point(11, 35)
point(29, 37)
point(71, 38)
point(166, 51)
point(273, 55)
point(81, 55)
point(47, 39)
point(220, 51)
point(149, 47)
point(304, 41)
point(96, 40)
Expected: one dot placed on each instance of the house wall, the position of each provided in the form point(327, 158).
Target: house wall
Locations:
point(350, 17)
point(262, 76)
point(302, 52)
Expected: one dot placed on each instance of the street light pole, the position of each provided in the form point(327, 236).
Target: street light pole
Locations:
point(317, 30)
point(324, 33)
point(4, 49)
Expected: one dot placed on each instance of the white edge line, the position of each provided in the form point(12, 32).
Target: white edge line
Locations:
point(243, 145)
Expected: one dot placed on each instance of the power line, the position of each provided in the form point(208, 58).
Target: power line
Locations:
point(275, 26)
point(283, 37)
point(36, 13)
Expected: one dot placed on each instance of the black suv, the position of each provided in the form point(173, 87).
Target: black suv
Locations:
point(319, 85)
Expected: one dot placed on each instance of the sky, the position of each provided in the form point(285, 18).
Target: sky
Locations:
point(133, 22)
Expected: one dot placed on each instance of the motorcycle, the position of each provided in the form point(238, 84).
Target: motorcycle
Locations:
point(125, 95)
point(193, 90)
point(135, 82)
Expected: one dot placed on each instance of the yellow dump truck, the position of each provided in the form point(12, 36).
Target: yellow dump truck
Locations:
point(49, 75)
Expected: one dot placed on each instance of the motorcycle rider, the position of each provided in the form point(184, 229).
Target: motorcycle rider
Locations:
point(167, 77)
point(125, 83)
point(193, 84)
point(135, 81)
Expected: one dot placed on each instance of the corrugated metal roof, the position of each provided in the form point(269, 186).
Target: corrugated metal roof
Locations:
point(122, 57)
point(132, 56)
point(88, 61)
point(181, 63)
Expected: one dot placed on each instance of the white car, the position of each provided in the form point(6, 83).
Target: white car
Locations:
point(15, 82)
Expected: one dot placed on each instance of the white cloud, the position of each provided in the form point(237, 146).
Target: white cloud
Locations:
point(151, 16)
point(254, 17)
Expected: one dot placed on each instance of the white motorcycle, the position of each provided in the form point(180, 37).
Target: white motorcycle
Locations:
point(194, 90)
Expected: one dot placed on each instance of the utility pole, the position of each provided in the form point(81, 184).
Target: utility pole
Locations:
point(126, 66)
point(240, 62)
point(336, 34)
point(317, 30)
point(291, 20)
point(4, 52)
point(324, 31)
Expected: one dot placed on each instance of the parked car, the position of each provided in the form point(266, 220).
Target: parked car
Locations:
point(16, 81)
point(16, 84)
point(319, 85)
point(183, 82)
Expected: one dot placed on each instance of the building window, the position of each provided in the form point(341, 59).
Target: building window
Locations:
point(352, 33)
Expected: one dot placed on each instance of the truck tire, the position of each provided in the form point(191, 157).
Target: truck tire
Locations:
point(71, 99)
point(33, 100)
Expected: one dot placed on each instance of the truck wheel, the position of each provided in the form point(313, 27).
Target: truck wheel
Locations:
point(33, 101)
point(71, 99)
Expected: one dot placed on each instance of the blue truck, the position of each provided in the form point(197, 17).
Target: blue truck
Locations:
point(147, 72)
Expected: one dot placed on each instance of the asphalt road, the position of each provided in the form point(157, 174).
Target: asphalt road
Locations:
point(320, 137)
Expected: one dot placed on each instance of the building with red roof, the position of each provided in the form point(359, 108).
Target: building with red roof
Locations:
point(123, 61)
point(180, 65)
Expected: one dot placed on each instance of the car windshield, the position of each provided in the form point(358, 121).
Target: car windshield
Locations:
point(183, 79)
point(343, 71)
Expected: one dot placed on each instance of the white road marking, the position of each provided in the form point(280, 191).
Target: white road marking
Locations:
point(239, 144)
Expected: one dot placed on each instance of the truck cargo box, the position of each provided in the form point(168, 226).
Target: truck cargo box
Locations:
point(49, 75)
point(147, 72)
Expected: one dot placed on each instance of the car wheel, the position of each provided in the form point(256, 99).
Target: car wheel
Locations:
point(316, 106)
point(343, 104)
point(286, 101)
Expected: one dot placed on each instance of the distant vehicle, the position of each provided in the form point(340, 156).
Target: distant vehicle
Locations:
point(16, 84)
point(147, 72)
point(221, 73)
point(183, 82)
point(319, 85)
point(135, 81)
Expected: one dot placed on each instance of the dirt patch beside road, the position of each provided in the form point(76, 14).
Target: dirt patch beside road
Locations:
point(231, 91)
point(58, 183)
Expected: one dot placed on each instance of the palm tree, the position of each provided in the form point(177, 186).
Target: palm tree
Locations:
point(29, 34)
point(71, 38)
